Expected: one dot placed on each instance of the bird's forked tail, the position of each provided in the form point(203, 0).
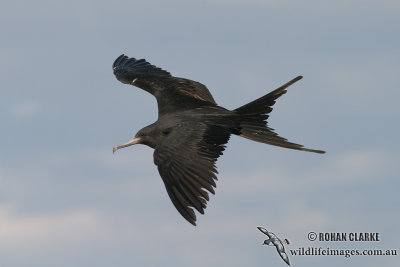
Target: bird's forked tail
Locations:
point(254, 117)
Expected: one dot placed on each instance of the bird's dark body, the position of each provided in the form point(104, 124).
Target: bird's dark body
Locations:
point(192, 130)
point(204, 116)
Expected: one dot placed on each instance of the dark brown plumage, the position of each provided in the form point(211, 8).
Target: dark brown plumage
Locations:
point(192, 130)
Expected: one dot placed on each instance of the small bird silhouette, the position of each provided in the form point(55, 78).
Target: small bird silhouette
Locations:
point(273, 240)
point(192, 130)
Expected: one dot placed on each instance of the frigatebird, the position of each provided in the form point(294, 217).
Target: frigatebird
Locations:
point(192, 130)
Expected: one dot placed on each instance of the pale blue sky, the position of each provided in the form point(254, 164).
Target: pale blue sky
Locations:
point(66, 200)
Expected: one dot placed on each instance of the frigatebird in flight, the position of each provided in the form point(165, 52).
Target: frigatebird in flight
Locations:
point(192, 130)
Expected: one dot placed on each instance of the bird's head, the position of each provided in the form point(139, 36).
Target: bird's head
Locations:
point(267, 242)
point(146, 136)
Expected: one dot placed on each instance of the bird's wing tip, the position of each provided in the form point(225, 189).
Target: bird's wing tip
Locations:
point(298, 78)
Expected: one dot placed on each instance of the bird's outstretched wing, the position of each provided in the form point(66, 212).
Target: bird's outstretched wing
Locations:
point(186, 162)
point(172, 93)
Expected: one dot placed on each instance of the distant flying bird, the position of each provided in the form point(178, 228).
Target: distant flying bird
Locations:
point(192, 130)
point(273, 240)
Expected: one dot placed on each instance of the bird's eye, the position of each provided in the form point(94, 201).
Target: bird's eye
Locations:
point(141, 134)
point(166, 131)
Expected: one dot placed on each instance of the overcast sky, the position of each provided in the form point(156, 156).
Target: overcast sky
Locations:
point(66, 200)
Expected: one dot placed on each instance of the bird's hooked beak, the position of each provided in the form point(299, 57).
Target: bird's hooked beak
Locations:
point(134, 141)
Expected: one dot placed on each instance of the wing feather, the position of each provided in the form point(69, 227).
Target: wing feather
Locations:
point(172, 93)
point(186, 162)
